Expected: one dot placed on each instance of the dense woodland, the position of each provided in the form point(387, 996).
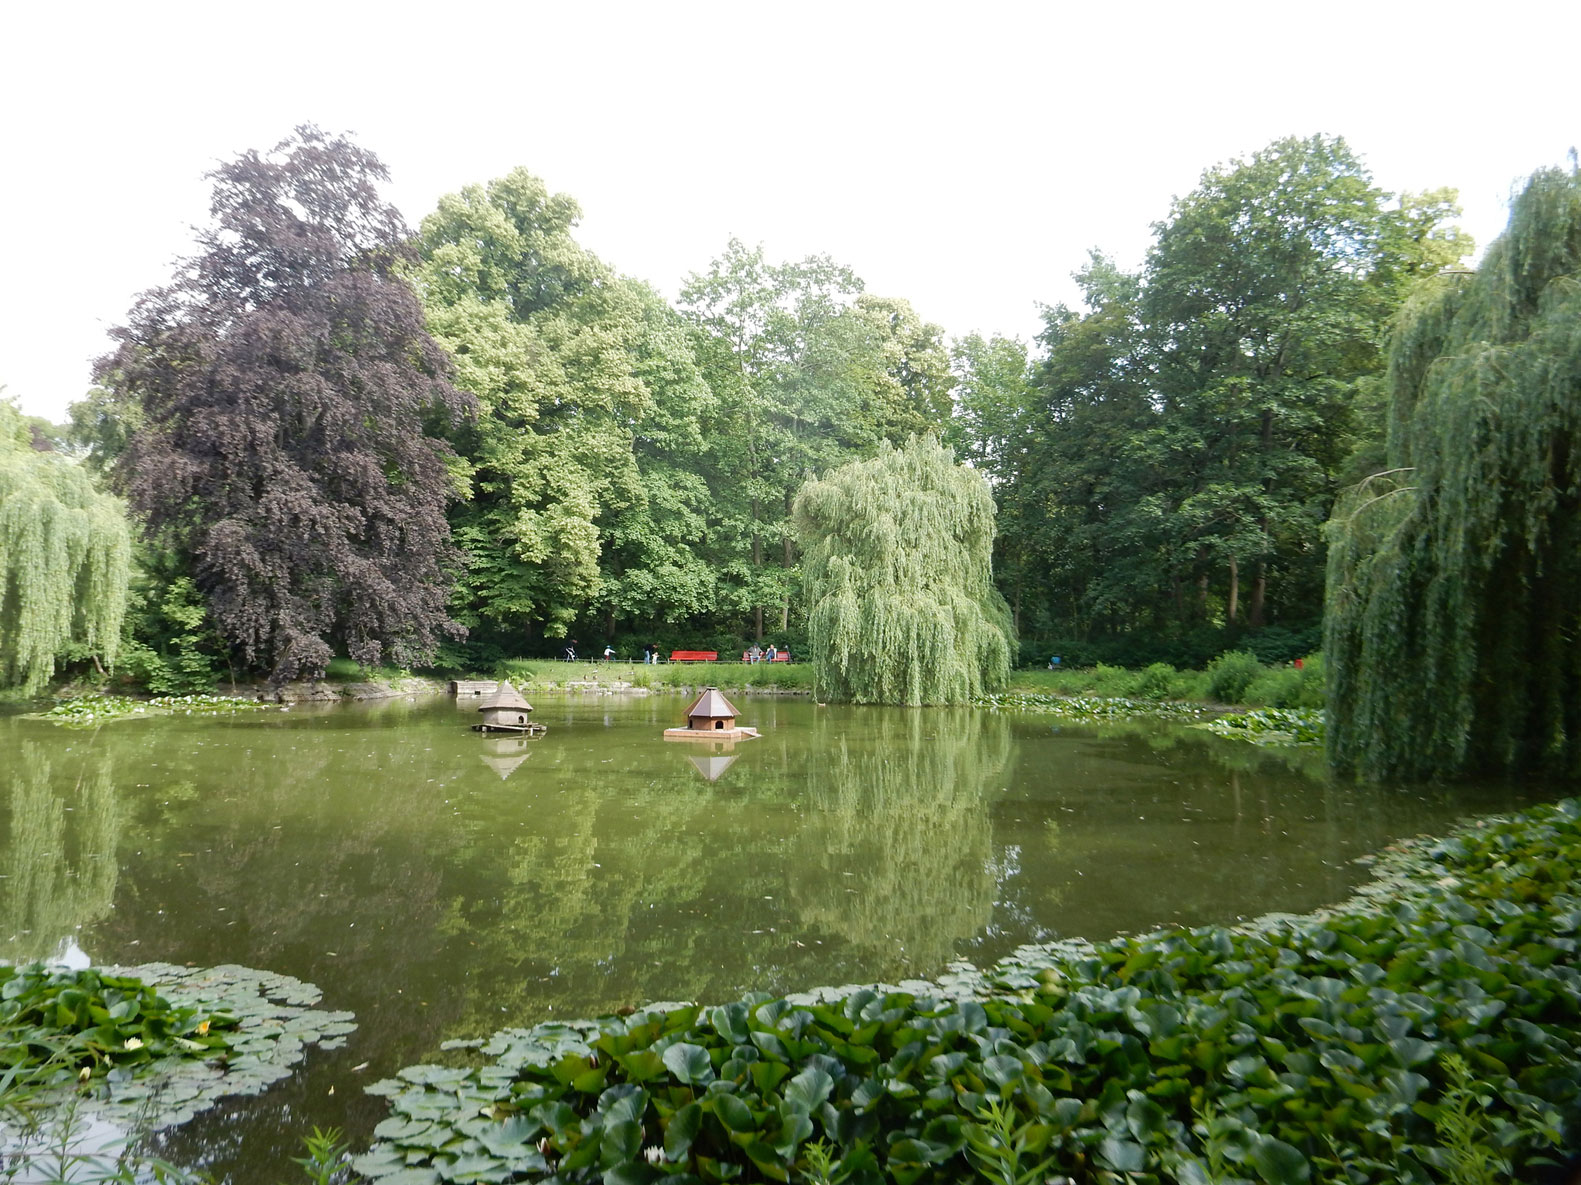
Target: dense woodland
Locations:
point(479, 440)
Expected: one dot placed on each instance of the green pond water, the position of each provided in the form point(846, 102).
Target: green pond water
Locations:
point(441, 884)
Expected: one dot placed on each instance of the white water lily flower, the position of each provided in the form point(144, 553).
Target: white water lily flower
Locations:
point(134, 1043)
point(654, 1154)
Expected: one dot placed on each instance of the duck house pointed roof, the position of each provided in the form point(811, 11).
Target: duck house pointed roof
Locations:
point(712, 705)
point(505, 696)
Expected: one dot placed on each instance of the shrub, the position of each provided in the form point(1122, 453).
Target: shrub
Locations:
point(1156, 681)
point(1231, 674)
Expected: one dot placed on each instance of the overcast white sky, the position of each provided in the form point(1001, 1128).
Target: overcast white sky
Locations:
point(962, 155)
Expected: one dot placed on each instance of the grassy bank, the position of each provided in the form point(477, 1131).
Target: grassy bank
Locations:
point(730, 676)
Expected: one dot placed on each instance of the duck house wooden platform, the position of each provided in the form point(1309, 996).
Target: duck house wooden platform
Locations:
point(507, 711)
point(710, 718)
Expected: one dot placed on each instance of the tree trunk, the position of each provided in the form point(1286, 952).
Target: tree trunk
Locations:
point(757, 568)
point(1234, 604)
point(1254, 616)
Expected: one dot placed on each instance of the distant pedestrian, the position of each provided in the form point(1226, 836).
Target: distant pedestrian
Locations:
point(609, 653)
point(568, 654)
point(650, 653)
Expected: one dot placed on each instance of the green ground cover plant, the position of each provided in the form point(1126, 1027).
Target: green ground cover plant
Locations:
point(93, 710)
point(140, 1049)
point(1095, 708)
point(1426, 1031)
point(1270, 726)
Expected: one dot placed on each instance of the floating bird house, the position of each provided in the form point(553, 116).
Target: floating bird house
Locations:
point(506, 711)
point(710, 718)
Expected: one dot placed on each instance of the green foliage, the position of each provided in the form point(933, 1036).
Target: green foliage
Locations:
point(169, 644)
point(1271, 726)
point(139, 1049)
point(897, 566)
point(326, 1156)
point(1154, 682)
point(94, 710)
point(1289, 687)
point(582, 469)
point(1230, 674)
point(75, 1026)
point(1095, 708)
point(1299, 1050)
point(65, 555)
point(1454, 585)
point(1171, 459)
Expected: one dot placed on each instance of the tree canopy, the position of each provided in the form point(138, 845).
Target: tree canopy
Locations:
point(65, 559)
point(585, 496)
point(1183, 437)
point(1454, 591)
point(285, 388)
point(897, 559)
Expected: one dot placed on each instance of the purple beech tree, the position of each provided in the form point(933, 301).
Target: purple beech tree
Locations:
point(289, 401)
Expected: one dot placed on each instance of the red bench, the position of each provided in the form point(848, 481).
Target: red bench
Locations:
point(694, 656)
point(781, 656)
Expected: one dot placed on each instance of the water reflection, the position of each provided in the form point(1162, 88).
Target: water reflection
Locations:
point(442, 884)
point(57, 850)
point(712, 768)
point(503, 754)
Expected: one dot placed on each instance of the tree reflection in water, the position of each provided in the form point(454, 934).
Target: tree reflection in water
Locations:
point(57, 849)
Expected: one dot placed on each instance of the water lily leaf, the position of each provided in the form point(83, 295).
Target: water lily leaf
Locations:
point(681, 1130)
point(768, 1161)
point(622, 1141)
point(1279, 1163)
point(689, 1063)
point(733, 1113)
point(1123, 1156)
point(730, 1022)
point(1003, 1071)
point(768, 1075)
point(808, 1090)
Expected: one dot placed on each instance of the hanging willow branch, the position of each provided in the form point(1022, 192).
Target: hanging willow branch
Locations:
point(65, 556)
point(898, 573)
point(1454, 607)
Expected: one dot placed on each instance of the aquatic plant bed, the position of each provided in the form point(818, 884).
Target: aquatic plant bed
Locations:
point(1424, 1031)
point(1270, 726)
point(95, 710)
point(1094, 707)
point(145, 1047)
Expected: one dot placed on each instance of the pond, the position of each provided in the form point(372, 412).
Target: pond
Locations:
point(443, 884)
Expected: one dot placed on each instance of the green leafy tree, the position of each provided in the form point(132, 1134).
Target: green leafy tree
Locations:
point(585, 497)
point(1189, 431)
point(1454, 581)
point(285, 389)
point(65, 556)
point(898, 567)
point(809, 371)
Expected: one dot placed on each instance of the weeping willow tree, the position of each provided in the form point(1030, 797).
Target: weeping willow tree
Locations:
point(898, 576)
point(65, 555)
point(1454, 582)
